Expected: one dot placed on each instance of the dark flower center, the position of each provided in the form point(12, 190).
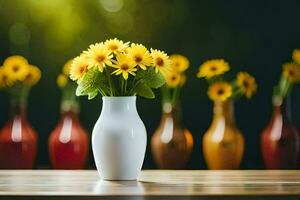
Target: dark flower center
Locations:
point(138, 59)
point(221, 91)
point(16, 68)
point(113, 47)
point(83, 69)
point(124, 67)
point(100, 58)
point(4, 78)
point(29, 76)
point(246, 84)
point(159, 61)
point(213, 68)
point(291, 73)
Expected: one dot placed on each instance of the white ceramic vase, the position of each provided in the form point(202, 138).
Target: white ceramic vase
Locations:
point(119, 139)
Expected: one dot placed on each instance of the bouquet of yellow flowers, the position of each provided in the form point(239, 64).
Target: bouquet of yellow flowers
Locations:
point(175, 79)
point(115, 68)
point(290, 76)
point(17, 76)
point(221, 90)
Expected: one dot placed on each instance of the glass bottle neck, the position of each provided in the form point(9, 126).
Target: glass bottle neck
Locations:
point(224, 110)
point(70, 113)
point(18, 100)
point(69, 102)
point(173, 111)
point(283, 108)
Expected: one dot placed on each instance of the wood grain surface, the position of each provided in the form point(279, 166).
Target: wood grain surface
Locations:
point(86, 183)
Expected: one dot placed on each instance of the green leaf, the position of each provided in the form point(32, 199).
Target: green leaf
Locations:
point(92, 82)
point(151, 78)
point(145, 91)
point(92, 95)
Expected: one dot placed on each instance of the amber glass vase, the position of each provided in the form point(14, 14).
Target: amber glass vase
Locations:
point(69, 142)
point(171, 143)
point(280, 139)
point(18, 140)
point(223, 143)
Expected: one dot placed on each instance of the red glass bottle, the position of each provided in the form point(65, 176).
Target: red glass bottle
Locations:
point(69, 142)
point(280, 139)
point(18, 140)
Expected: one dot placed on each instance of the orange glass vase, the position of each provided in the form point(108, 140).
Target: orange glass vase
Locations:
point(280, 140)
point(171, 143)
point(69, 142)
point(223, 143)
point(18, 140)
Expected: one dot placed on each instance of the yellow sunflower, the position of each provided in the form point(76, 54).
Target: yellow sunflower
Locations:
point(140, 55)
point(161, 61)
point(296, 55)
point(124, 65)
point(291, 72)
point(98, 55)
point(33, 75)
point(246, 83)
point(220, 91)
point(16, 68)
point(79, 67)
point(67, 66)
point(62, 80)
point(115, 45)
point(213, 68)
point(173, 79)
point(179, 62)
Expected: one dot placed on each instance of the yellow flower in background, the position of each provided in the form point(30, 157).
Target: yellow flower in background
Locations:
point(213, 68)
point(33, 75)
point(16, 68)
point(4, 80)
point(140, 55)
point(179, 62)
point(246, 83)
point(296, 56)
point(124, 65)
point(66, 68)
point(62, 80)
point(220, 91)
point(79, 67)
point(116, 46)
point(98, 55)
point(183, 79)
point(291, 72)
point(173, 79)
point(161, 61)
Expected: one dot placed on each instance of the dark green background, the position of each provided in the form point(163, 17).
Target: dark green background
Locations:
point(256, 36)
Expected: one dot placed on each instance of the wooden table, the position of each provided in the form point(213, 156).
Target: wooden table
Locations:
point(152, 184)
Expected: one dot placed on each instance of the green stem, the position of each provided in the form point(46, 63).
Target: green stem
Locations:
point(19, 94)
point(109, 81)
point(122, 86)
point(175, 96)
point(165, 91)
point(125, 87)
point(69, 100)
point(134, 85)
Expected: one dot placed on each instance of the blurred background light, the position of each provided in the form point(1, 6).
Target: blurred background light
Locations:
point(112, 5)
point(19, 34)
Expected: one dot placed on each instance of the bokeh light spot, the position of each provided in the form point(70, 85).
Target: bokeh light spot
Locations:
point(19, 34)
point(112, 5)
